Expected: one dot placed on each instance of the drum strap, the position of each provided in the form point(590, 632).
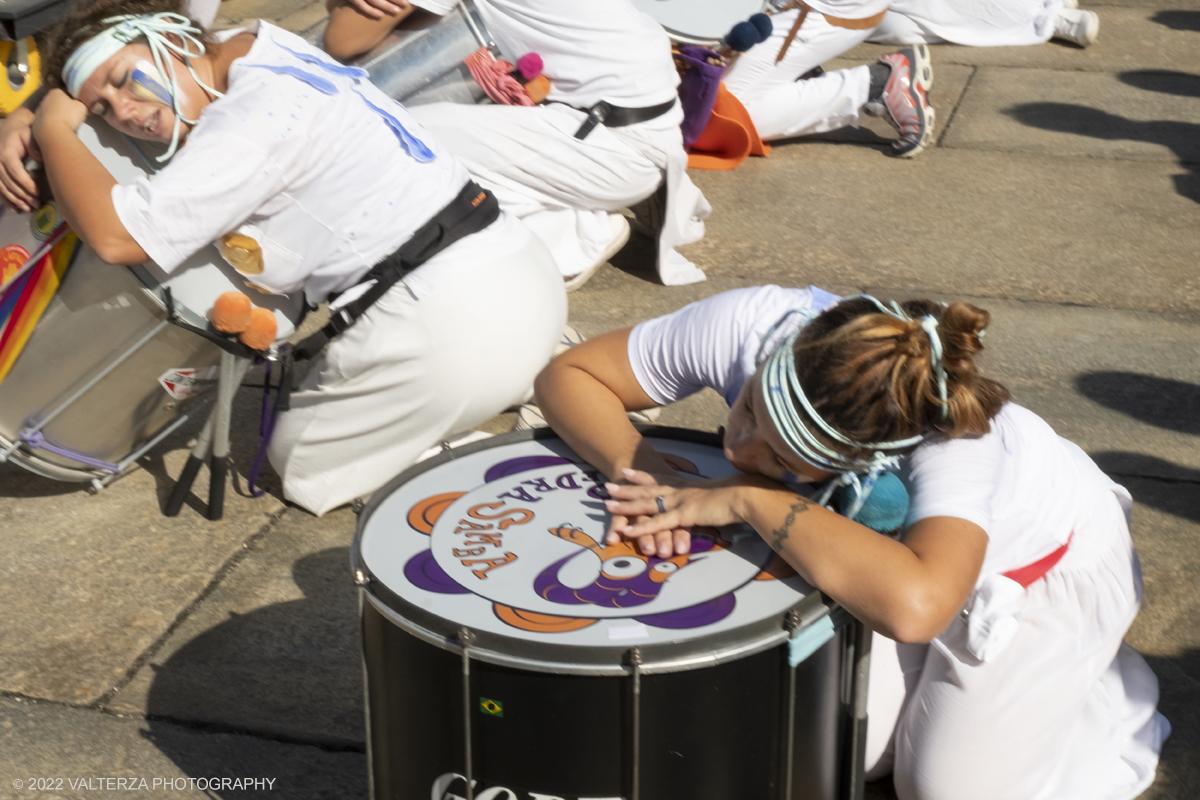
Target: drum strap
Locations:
point(471, 211)
point(610, 116)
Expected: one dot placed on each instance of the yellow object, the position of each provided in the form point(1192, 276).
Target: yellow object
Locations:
point(242, 253)
point(21, 60)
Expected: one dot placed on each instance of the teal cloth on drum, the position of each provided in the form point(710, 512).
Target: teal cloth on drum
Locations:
point(812, 638)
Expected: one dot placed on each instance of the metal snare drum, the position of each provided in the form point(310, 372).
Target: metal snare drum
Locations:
point(699, 21)
point(421, 66)
point(510, 653)
point(104, 376)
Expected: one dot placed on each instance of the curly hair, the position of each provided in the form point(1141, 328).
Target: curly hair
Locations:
point(870, 375)
point(85, 20)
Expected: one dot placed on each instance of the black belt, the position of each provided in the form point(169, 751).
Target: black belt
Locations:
point(610, 116)
point(473, 210)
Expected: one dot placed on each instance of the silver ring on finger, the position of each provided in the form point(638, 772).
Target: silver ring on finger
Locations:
point(662, 507)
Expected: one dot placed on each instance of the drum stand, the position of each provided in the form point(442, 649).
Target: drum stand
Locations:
point(215, 434)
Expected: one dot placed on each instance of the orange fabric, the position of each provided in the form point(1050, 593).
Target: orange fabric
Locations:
point(729, 138)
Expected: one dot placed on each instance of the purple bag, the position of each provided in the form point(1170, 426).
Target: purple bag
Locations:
point(698, 83)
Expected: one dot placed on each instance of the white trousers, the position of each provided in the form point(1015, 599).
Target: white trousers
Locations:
point(566, 189)
point(978, 23)
point(413, 371)
point(1065, 712)
point(782, 106)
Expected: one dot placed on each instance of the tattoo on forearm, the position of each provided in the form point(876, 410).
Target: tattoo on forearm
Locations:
point(778, 535)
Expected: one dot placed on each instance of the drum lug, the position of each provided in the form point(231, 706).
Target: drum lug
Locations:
point(357, 505)
point(791, 622)
point(361, 578)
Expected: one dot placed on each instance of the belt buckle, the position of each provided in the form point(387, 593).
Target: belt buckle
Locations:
point(596, 115)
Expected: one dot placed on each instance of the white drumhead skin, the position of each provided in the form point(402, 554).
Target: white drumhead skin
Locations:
point(510, 540)
point(699, 21)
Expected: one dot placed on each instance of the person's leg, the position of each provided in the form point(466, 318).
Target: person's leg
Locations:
point(899, 29)
point(781, 105)
point(569, 191)
point(411, 372)
point(895, 672)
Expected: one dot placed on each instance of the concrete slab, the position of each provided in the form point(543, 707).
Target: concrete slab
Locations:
point(1147, 116)
point(85, 753)
point(89, 583)
point(1021, 226)
point(1142, 37)
point(274, 649)
point(292, 15)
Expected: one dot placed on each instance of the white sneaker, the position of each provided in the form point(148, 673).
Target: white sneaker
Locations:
point(1077, 27)
point(620, 235)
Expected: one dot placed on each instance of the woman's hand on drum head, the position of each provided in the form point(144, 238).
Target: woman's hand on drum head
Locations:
point(664, 543)
point(17, 186)
point(660, 511)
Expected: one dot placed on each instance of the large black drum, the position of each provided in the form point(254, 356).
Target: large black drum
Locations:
point(510, 654)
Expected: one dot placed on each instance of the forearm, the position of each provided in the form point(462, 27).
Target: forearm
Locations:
point(83, 189)
point(351, 33)
point(591, 419)
point(880, 581)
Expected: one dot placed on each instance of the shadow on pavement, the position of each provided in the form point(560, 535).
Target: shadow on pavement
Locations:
point(1183, 84)
point(1162, 402)
point(1179, 20)
point(18, 482)
point(1168, 486)
point(1182, 138)
point(288, 672)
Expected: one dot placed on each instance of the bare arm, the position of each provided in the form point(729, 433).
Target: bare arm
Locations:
point(909, 591)
point(81, 184)
point(355, 26)
point(584, 394)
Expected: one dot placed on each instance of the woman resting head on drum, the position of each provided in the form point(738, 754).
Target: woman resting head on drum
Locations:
point(307, 177)
point(997, 666)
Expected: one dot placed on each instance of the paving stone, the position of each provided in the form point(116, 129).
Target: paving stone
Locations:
point(1020, 226)
point(89, 582)
point(1143, 37)
point(91, 752)
point(1145, 116)
point(274, 649)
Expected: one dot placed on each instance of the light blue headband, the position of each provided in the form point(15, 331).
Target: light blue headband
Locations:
point(88, 57)
point(782, 391)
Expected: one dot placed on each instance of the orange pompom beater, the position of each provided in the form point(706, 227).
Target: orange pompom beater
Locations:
point(231, 312)
point(260, 334)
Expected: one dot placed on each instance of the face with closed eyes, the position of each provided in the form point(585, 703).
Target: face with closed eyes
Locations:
point(128, 91)
point(753, 444)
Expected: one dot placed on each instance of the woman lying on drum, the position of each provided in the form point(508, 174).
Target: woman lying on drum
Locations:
point(307, 176)
point(1003, 674)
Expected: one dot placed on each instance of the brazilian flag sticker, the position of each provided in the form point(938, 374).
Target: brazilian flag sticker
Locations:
point(491, 707)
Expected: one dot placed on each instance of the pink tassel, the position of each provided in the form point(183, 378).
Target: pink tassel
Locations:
point(493, 76)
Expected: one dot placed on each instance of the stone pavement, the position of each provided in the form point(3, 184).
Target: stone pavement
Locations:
point(1062, 195)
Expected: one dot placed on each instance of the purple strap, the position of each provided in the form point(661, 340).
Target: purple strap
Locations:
point(37, 441)
point(266, 426)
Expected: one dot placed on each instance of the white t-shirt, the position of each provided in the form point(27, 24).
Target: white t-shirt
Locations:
point(313, 175)
point(592, 50)
point(715, 343)
point(1022, 483)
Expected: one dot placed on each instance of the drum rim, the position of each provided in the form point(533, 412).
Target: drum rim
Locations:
point(509, 651)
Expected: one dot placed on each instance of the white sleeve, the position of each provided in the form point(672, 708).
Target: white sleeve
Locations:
point(439, 7)
point(698, 346)
point(956, 478)
point(212, 185)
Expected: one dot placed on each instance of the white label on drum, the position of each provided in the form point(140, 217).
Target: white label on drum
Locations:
point(186, 382)
point(625, 633)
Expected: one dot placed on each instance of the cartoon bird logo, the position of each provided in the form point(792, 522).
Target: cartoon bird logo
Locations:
point(626, 578)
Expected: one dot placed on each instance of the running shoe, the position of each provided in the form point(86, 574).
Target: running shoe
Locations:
point(906, 99)
point(1077, 27)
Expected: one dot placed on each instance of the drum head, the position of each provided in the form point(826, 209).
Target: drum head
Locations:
point(699, 21)
point(508, 541)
